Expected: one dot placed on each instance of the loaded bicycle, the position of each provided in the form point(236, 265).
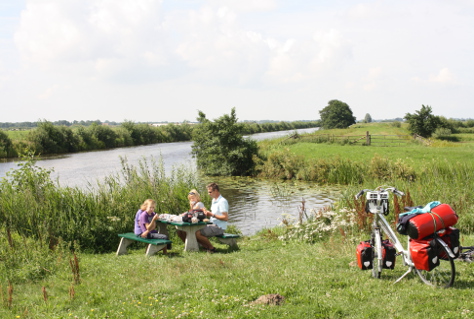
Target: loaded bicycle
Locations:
point(429, 257)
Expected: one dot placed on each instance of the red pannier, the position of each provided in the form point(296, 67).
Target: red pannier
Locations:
point(389, 254)
point(451, 238)
point(424, 254)
point(426, 224)
point(364, 255)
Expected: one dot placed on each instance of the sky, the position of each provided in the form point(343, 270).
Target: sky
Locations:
point(165, 60)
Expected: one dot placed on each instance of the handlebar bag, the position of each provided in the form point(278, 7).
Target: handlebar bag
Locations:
point(424, 254)
point(389, 254)
point(426, 224)
point(365, 255)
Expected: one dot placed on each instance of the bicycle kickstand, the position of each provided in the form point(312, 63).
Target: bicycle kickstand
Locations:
point(403, 276)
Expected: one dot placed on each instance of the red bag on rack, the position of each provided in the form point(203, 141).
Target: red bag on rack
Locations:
point(389, 254)
point(424, 254)
point(364, 255)
point(451, 238)
point(426, 224)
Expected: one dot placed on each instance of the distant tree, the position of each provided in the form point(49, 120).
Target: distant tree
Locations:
point(336, 115)
point(50, 139)
point(423, 122)
point(132, 128)
point(367, 118)
point(6, 145)
point(220, 148)
point(104, 136)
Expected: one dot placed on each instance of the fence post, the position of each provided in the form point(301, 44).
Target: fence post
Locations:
point(367, 138)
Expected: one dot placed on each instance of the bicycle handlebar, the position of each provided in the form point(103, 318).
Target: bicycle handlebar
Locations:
point(380, 189)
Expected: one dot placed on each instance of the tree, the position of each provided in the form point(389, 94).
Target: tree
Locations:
point(50, 139)
point(367, 118)
point(336, 115)
point(6, 145)
point(220, 148)
point(103, 135)
point(423, 122)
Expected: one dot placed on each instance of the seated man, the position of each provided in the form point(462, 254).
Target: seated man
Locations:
point(218, 216)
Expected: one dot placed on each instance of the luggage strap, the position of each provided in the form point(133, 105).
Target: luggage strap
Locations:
point(434, 220)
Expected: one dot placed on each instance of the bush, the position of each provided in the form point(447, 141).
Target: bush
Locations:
point(442, 133)
point(220, 148)
point(320, 225)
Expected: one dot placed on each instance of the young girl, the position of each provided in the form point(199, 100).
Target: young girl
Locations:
point(195, 200)
point(145, 222)
point(194, 203)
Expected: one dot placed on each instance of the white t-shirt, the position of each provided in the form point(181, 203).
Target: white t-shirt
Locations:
point(219, 206)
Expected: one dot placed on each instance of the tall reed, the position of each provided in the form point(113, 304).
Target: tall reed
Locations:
point(38, 208)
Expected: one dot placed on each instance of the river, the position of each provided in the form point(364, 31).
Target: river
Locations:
point(254, 204)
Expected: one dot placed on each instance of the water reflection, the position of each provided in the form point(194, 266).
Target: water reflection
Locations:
point(258, 204)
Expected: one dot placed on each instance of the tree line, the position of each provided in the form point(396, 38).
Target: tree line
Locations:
point(29, 125)
point(48, 138)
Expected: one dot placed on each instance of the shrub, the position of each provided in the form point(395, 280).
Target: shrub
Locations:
point(220, 148)
point(320, 225)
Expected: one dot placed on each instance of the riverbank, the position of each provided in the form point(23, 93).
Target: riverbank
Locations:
point(316, 280)
point(49, 139)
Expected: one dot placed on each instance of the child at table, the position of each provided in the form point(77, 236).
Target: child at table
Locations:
point(195, 200)
point(145, 222)
point(194, 203)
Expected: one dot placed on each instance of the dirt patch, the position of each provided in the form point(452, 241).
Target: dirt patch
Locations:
point(271, 299)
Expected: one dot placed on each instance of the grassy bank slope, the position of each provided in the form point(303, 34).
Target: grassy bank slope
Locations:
point(317, 281)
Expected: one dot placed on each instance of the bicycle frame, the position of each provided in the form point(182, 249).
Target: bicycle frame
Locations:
point(381, 223)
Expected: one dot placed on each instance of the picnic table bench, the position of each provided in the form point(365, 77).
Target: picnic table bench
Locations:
point(228, 239)
point(154, 245)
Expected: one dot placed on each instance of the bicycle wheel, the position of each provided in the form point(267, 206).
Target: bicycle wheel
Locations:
point(443, 275)
point(376, 241)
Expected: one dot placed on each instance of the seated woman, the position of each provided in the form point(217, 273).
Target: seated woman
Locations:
point(194, 203)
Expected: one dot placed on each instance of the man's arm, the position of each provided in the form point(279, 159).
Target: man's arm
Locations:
point(224, 216)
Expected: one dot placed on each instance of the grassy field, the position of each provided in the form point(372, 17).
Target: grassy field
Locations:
point(317, 281)
point(413, 154)
point(17, 135)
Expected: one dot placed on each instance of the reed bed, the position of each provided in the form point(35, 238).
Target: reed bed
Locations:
point(38, 216)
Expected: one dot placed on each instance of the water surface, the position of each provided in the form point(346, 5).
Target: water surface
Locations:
point(254, 204)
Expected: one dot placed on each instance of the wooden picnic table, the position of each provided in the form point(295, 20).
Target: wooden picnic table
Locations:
point(191, 243)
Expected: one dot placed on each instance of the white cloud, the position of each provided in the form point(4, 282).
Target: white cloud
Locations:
point(444, 76)
point(371, 80)
point(80, 35)
point(48, 93)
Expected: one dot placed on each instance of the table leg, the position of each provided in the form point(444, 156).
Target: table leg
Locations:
point(191, 243)
point(163, 229)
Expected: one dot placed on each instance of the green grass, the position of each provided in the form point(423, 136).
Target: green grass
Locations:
point(17, 135)
point(317, 281)
point(415, 155)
